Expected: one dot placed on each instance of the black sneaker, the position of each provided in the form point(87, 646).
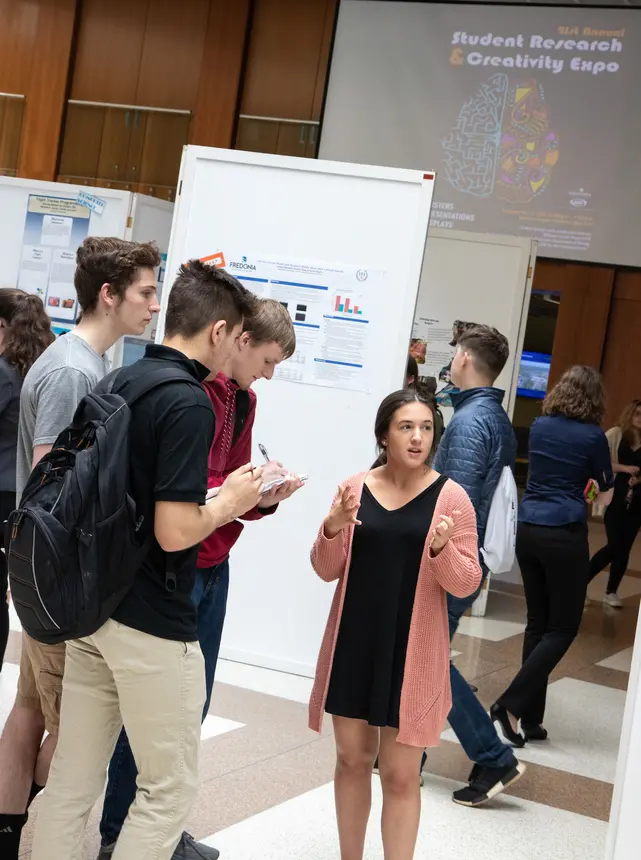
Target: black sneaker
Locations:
point(189, 849)
point(487, 782)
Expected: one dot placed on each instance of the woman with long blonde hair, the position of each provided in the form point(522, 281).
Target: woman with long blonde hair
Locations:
point(622, 517)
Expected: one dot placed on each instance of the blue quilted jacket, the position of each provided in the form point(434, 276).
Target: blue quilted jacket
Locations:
point(478, 442)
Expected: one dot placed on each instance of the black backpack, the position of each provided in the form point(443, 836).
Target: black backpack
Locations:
point(73, 547)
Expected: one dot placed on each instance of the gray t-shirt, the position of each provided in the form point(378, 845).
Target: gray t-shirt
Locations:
point(55, 384)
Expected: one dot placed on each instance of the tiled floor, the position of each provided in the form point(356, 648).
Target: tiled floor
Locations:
point(267, 788)
point(515, 829)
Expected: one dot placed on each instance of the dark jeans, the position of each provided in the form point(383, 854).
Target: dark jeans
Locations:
point(554, 564)
point(468, 718)
point(622, 525)
point(210, 596)
point(7, 504)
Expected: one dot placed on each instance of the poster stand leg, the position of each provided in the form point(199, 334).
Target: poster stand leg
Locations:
point(480, 604)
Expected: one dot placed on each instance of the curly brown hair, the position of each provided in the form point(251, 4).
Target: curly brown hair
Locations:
point(27, 328)
point(578, 394)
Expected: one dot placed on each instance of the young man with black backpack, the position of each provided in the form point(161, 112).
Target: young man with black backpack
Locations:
point(143, 667)
point(116, 289)
point(268, 339)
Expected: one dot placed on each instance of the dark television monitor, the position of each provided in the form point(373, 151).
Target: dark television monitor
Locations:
point(533, 375)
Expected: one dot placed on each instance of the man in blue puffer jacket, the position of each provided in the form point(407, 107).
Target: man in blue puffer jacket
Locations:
point(478, 442)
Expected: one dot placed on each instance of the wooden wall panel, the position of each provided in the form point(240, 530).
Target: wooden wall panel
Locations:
point(11, 114)
point(288, 41)
point(165, 136)
point(18, 26)
point(221, 69)
point(581, 325)
point(109, 50)
point(47, 89)
point(622, 353)
point(172, 53)
point(83, 137)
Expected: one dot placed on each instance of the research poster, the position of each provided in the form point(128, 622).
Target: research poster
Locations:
point(529, 115)
point(433, 345)
point(54, 228)
point(329, 304)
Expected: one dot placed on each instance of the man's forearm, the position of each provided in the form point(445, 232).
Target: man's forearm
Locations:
point(177, 530)
point(213, 515)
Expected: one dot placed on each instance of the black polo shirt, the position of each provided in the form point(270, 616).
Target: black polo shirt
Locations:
point(172, 429)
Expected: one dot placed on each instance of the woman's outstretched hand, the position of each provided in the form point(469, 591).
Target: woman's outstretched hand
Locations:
point(443, 532)
point(342, 514)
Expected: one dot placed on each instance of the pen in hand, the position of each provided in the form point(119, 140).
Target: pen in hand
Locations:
point(263, 451)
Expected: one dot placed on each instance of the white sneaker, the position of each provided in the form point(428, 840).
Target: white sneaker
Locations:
point(613, 600)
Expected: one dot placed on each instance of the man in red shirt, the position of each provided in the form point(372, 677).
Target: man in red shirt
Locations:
point(268, 339)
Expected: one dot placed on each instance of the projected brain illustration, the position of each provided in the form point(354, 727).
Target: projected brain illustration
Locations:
point(502, 142)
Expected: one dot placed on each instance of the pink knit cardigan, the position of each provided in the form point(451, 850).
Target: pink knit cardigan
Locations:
point(426, 697)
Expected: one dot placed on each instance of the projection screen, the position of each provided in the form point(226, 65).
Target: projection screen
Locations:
point(530, 115)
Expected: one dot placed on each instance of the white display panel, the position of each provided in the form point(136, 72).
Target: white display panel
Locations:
point(529, 115)
point(474, 278)
point(353, 217)
point(150, 220)
point(624, 831)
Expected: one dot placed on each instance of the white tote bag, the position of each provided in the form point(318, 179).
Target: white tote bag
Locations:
point(500, 533)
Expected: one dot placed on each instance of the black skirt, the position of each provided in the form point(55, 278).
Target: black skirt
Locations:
point(369, 661)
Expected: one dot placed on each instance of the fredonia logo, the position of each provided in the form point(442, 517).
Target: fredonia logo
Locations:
point(244, 265)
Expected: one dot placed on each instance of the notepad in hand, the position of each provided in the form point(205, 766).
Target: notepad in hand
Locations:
point(275, 482)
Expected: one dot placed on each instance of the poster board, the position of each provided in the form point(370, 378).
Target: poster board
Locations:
point(150, 220)
point(42, 225)
point(472, 278)
point(319, 224)
point(623, 831)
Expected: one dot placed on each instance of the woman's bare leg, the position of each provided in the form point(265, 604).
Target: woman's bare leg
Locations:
point(399, 766)
point(356, 749)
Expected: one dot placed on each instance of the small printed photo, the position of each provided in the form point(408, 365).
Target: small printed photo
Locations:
point(68, 303)
point(53, 302)
point(418, 349)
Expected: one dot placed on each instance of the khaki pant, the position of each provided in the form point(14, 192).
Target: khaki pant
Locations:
point(159, 688)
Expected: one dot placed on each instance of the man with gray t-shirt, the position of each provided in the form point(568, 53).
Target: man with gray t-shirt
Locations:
point(115, 283)
point(52, 389)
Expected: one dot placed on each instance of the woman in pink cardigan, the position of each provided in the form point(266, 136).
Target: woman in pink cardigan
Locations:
point(383, 669)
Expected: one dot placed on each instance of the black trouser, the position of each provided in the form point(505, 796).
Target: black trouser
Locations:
point(622, 525)
point(7, 504)
point(554, 564)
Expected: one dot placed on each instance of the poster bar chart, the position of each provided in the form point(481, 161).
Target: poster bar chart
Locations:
point(342, 306)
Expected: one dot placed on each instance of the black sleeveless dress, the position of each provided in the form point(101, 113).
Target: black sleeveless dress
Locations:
point(369, 661)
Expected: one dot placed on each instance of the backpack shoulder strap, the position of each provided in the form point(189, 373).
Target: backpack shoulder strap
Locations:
point(148, 381)
point(138, 388)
